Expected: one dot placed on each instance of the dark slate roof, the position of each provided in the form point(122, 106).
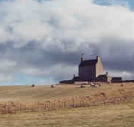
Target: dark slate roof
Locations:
point(88, 63)
point(100, 76)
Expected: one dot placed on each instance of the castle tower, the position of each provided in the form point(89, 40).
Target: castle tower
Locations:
point(89, 70)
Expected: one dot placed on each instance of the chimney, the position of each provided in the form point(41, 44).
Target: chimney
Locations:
point(97, 57)
point(82, 59)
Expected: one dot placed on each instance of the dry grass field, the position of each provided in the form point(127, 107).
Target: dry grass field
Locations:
point(112, 115)
point(42, 93)
point(121, 115)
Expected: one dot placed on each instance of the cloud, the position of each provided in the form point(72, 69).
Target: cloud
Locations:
point(55, 21)
point(46, 38)
point(7, 68)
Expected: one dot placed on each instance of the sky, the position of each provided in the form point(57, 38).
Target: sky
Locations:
point(41, 41)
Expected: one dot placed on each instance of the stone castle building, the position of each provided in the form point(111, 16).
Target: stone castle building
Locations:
point(92, 71)
point(89, 70)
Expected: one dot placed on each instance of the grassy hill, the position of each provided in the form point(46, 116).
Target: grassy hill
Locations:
point(119, 115)
point(42, 93)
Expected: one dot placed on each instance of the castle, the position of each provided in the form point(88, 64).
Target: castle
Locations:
point(89, 70)
point(92, 71)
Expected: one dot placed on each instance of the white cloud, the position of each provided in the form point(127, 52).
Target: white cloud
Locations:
point(7, 69)
point(62, 27)
point(64, 19)
point(57, 72)
point(5, 63)
point(124, 74)
point(6, 77)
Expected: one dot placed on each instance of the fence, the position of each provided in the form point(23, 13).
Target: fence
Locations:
point(71, 102)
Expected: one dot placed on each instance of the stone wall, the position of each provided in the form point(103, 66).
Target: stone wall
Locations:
point(99, 67)
point(87, 73)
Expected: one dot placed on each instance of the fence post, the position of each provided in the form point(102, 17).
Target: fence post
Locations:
point(73, 102)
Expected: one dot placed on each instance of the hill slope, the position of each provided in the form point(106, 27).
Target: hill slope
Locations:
point(121, 115)
point(40, 93)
